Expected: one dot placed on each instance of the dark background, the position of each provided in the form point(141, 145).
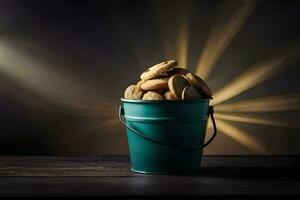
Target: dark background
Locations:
point(65, 64)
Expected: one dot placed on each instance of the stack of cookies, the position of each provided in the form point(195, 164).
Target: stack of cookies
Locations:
point(165, 81)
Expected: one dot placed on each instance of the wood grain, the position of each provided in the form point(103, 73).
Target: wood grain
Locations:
point(110, 175)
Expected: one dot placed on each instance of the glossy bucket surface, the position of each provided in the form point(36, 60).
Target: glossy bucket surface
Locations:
point(173, 134)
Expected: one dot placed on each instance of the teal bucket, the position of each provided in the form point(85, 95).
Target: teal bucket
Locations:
point(166, 137)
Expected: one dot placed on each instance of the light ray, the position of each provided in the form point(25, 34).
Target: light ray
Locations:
point(183, 41)
point(274, 103)
point(251, 77)
point(50, 83)
point(92, 108)
point(175, 42)
point(220, 37)
point(257, 120)
point(35, 76)
point(165, 23)
point(242, 137)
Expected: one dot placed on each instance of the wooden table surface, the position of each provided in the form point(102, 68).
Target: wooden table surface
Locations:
point(110, 175)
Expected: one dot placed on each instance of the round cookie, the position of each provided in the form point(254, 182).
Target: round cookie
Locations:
point(190, 93)
point(140, 83)
point(158, 69)
point(161, 91)
point(133, 92)
point(150, 95)
point(199, 84)
point(178, 70)
point(169, 96)
point(176, 85)
point(154, 84)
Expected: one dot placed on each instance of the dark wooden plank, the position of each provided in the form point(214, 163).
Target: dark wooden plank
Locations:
point(110, 175)
point(120, 165)
point(145, 185)
point(65, 166)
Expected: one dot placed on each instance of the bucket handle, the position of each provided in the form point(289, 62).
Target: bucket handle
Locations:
point(210, 112)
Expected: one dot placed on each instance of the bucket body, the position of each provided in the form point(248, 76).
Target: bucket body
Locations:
point(171, 136)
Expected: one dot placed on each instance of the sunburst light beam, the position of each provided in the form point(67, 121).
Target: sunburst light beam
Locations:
point(183, 40)
point(175, 43)
point(220, 37)
point(250, 78)
point(164, 23)
point(242, 137)
point(258, 120)
point(50, 83)
point(32, 74)
point(275, 103)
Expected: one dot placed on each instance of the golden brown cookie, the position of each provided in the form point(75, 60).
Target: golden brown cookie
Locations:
point(154, 84)
point(176, 85)
point(158, 69)
point(161, 91)
point(150, 95)
point(139, 84)
point(190, 93)
point(169, 96)
point(133, 92)
point(199, 84)
point(178, 70)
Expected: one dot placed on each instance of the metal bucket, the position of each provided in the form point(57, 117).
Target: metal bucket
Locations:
point(166, 137)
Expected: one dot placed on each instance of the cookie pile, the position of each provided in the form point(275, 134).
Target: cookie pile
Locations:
point(165, 81)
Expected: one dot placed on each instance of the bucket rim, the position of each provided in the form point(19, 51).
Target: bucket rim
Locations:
point(163, 101)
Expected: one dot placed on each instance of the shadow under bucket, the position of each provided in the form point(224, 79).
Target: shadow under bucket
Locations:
point(166, 137)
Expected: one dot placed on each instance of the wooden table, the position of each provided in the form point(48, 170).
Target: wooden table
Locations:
point(110, 175)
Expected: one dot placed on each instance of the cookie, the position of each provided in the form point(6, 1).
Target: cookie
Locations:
point(150, 95)
point(199, 84)
point(133, 92)
point(176, 85)
point(190, 93)
point(178, 70)
point(161, 91)
point(140, 83)
point(154, 84)
point(158, 69)
point(169, 96)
